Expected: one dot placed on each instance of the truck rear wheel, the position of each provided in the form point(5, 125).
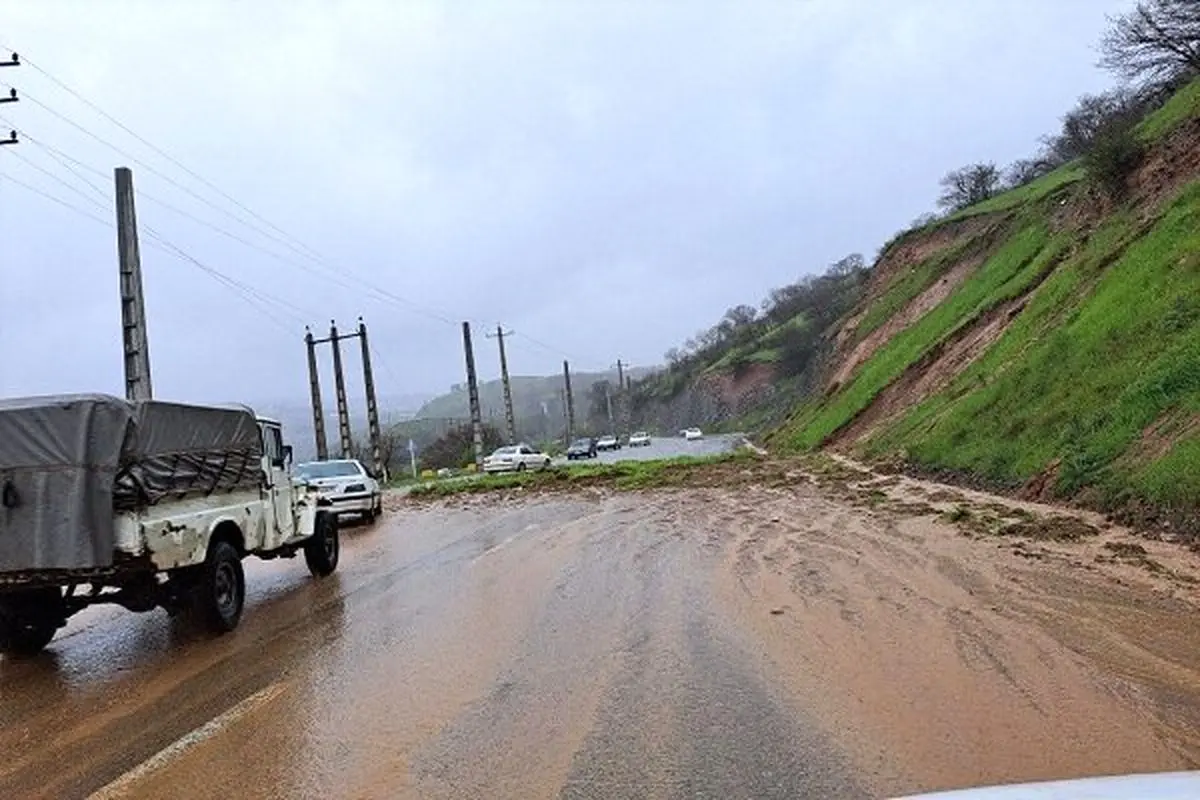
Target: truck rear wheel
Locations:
point(322, 550)
point(29, 619)
point(221, 593)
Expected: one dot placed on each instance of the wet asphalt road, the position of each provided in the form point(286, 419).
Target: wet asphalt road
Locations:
point(665, 447)
point(565, 648)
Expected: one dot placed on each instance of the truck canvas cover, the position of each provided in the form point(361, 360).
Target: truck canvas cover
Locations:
point(67, 463)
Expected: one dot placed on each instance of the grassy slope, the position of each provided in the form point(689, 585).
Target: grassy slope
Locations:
point(1108, 345)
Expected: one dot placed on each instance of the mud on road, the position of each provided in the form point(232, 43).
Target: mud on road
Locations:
point(762, 628)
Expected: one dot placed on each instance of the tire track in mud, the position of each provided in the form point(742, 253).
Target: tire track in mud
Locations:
point(945, 651)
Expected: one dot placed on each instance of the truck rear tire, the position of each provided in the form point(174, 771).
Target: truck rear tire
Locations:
point(29, 619)
point(322, 550)
point(221, 593)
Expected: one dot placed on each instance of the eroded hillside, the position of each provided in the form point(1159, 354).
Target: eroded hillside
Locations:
point(1046, 341)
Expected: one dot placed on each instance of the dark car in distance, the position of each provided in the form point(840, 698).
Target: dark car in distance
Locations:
point(581, 448)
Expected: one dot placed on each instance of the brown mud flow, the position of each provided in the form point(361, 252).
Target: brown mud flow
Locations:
point(776, 630)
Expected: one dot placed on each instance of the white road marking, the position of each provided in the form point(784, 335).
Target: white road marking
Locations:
point(125, 782)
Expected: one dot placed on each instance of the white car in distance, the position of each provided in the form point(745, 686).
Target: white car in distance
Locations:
point(693, 434)
point(639, 439)
point(515, 458)
point(346, 484)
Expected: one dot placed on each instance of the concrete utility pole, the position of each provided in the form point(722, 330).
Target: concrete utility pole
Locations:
point(608, 405)
point(339, 385)
point(372, 406)
point(133, 304)
point(473, 396)
point(510, 420)
point(622, 400)
point(314, 385)
point(569, 401)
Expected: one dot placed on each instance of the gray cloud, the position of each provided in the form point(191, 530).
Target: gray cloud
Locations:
point(606, 178)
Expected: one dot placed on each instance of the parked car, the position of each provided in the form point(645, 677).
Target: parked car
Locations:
point(692, 434)
point(609, 442)
point(346, 484)
point(516, 458)
point(639, 439)
point(582, 448)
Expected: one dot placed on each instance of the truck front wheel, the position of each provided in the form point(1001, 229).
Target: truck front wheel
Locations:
point(221, 593)
point(323, 548)
point(29, 619)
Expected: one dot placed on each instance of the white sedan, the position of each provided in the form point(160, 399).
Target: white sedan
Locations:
point(346, 484)
point(692, 434)
point(515, 458)
point(639, 439)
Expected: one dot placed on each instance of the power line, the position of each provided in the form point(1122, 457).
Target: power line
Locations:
point(331, 274)
point(159, 150)
point(54, 177)
point(279, 236)
point(248, 293)
point(155, 171)
point(60, 201)
point(298, 248)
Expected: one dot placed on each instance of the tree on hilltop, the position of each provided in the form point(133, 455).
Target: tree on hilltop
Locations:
point(1158, 41)
point(969, 185)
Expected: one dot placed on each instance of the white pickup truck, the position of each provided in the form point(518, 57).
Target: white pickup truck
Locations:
point(145, 505)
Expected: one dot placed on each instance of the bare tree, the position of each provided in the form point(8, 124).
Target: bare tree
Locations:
point(1092, 114)
point(969, 185)
point(847, 265)
point(1026, 170)
point(1155, 42)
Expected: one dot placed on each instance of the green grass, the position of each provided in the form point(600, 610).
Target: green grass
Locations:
point(763, 349)
point(1007, 274)
point(1029, 194)
point(1179, 109)
point(907, 287)
point(624, 475)
point(1108, 344)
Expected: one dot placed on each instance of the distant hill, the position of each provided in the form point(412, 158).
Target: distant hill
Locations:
point(296, 418)
point(533, 396)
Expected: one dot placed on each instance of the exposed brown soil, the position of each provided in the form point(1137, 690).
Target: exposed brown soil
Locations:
point(931, 373)
point(918, 307)
point(738, 391)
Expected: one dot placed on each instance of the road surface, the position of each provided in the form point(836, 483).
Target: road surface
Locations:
point(771, 638)
point(665, 447)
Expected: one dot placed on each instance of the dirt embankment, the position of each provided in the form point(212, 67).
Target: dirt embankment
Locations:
point(851, 350)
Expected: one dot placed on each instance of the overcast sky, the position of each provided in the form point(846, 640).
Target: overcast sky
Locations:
point(603, 178)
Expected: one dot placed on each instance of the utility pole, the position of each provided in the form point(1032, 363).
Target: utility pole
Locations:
point(314, 385)
point(339, 385)
point(568, 401)
point(473, 396)
point(510, 420)
point(608, 404)
point(372, 406)
point(622, 400)
point(133, 304)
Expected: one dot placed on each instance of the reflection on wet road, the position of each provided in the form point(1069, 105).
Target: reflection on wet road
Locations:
point(770, 641)
point(565, 647)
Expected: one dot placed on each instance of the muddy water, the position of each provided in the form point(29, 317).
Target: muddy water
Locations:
point(703, 642)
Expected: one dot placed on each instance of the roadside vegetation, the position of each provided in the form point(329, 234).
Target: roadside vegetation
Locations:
point(621, 475)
